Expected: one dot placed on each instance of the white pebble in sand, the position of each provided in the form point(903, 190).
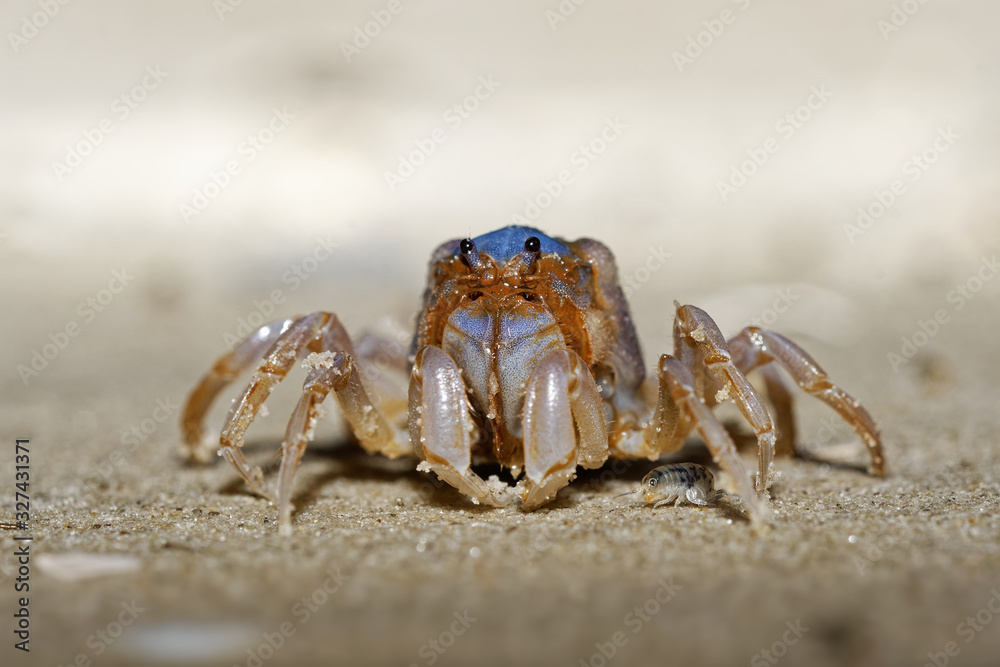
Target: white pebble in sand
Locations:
point(78, 566)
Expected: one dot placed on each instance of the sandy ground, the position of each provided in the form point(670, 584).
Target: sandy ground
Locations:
point(880, 571)
point(121, 302)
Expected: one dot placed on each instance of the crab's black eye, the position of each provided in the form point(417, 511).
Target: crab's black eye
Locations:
point(653, 481)
point(469, 254)
point(530, 254)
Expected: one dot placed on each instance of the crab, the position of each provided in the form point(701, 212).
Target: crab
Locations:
point(524, 355)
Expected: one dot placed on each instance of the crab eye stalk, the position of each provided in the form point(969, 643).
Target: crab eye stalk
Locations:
point(469, 253)
point(532, 249)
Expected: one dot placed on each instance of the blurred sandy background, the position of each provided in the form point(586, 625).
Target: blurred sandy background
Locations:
point(117, 116)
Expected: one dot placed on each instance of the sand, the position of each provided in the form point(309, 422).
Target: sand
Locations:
point(880, 571)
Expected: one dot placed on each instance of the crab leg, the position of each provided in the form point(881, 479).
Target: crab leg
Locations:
point(337, 372)
point(226, 369)
point(754, 347)
point(272, 369)
point(781, 400)
point(319, 332)
point(677, 390)
point(375, 354)
point(561, 392)
point(700, 345)
point(441, 426)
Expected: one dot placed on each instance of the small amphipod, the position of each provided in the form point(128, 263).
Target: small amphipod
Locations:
point(677, 482)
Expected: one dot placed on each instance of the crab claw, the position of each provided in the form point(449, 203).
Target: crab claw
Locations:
point(561, 400)
point(442, 433)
